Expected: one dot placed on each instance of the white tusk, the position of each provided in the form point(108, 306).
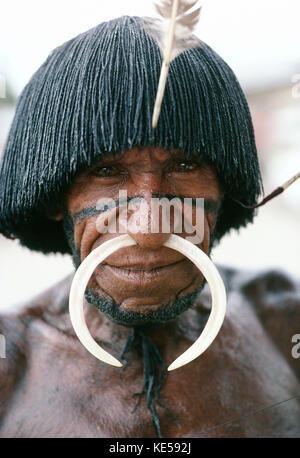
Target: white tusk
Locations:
point(196, 255)
point(218, 293)
point(80, 281)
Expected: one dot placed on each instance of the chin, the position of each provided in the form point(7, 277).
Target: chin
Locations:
point(151, 313)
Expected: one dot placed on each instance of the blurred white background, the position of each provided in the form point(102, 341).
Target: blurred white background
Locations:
point(259, 39)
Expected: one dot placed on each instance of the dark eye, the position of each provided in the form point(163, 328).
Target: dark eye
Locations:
point(184, 167)
point(106, 171)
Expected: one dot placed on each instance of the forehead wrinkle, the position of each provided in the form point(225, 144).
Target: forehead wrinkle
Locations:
point(137, 152)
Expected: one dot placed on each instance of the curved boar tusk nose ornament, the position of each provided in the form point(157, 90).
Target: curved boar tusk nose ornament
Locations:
point(196, 255)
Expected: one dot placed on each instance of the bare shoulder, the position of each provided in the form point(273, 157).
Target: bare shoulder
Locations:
point(275, 297)
point(16, 336)
point(13, 356)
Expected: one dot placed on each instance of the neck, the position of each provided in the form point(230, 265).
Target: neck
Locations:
point(168, 337)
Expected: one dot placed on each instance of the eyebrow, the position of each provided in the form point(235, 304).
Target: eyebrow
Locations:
point(119, 158)
point(210, 205)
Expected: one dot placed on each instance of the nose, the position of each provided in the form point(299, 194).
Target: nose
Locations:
point(143, 224)
point(149, 241)
point(148, 181)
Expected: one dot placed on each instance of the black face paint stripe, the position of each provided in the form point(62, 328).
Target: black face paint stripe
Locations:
point(85, 213)
point(94, 211)
point(210, 205)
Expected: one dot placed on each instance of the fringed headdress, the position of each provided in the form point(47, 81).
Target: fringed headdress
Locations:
point(95, 94)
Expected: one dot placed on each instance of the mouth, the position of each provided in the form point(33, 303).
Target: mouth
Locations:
point(141, 273)
point(145, 281)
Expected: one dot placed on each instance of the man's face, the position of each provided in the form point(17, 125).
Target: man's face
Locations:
point(141, 279)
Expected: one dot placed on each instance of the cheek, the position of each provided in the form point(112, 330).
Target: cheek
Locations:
point(206, 236)
point(203, 224)
point(85, 234)
point(95, 230)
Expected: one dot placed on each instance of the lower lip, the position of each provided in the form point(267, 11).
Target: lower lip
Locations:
point(144, 276)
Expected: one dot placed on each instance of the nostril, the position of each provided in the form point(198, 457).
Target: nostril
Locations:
point(150, 241)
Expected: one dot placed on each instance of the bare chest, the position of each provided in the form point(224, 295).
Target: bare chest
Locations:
point(224, 393)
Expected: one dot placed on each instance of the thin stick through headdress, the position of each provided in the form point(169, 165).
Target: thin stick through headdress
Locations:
point(173, 35)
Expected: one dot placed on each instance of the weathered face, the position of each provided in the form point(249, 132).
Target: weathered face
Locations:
point(144, 278)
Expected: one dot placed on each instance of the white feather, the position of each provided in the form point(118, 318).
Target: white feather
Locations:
point(173, 35)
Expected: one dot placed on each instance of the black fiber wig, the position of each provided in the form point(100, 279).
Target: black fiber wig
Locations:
point(95, 94)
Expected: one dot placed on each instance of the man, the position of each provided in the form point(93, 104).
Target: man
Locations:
point(82, 132)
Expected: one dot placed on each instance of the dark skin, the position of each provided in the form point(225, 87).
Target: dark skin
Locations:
point(147, 276)
point(50, 386)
